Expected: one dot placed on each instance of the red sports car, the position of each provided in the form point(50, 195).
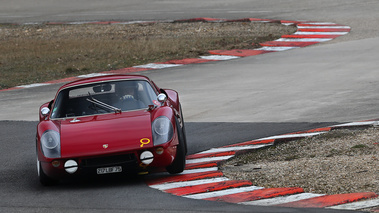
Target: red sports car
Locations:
point(110, 124)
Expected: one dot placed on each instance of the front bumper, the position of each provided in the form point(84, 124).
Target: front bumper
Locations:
point(130, 162)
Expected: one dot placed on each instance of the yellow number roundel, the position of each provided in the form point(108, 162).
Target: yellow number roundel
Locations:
point(144, 141)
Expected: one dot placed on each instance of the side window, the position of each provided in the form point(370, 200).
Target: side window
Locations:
point(58, 105)
point(152, 92)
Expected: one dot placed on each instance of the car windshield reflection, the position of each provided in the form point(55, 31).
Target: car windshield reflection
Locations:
point(104, 97)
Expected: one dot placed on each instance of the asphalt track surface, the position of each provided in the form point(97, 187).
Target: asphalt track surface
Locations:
point(290, 91)
point(21, 191)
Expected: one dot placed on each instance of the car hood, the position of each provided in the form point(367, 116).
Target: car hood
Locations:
point(103, 134)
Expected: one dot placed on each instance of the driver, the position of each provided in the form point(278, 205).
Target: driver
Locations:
point(128, 92)
point(128, 100)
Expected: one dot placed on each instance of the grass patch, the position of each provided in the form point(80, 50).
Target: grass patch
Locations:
point(39, 53)
point(359, 146)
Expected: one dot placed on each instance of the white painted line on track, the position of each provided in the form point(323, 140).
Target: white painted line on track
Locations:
point(320, 23)
point(262, 21)
point(192, 171)
point(92, 75)
point(165, 186)
point(276, 49)
point(320, 33)
point(219, 57)
point(363, 123)
point(28, 23)
point(210, 159)
point(158, 66)
point(233, 148)
point(33, 85)
point(357, 205)
point(281, 200)
point(323, 27)
point(304, 39)
point(302, 135)
point(223, 192)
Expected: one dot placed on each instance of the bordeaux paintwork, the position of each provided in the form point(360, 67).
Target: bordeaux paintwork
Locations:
point(110, 134)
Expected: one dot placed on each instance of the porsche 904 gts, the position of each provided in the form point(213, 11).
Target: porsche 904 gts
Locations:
point(110, 124)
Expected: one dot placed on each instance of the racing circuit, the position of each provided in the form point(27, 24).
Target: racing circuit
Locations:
point(334, 97)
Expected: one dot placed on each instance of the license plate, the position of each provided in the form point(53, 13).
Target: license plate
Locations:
point(108, 170)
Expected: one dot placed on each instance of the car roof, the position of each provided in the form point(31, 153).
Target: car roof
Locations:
point(102, 79)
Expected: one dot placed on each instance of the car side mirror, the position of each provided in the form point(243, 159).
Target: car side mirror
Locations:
point(45, 111)
point(162, 98)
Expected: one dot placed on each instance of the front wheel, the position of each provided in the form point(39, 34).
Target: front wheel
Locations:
point(43, 178)
point(179, 162)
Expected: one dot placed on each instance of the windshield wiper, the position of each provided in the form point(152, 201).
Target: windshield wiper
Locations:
point(104, 105)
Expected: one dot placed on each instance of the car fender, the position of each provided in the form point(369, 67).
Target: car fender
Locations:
point(163, 111)
point(169, 113)
point(41, 128)
point(173, 98)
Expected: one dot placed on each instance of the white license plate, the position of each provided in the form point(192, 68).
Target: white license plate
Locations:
point(108, 170)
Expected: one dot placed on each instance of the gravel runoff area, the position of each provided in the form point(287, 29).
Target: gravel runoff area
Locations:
point(44, 52)
point(337, 162)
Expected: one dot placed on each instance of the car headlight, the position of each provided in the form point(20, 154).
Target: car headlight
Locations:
point(162, 130)
point(51, 144)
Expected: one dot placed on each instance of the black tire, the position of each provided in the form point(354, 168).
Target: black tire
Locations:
point(183, 130)
point(43, 178)
point(179, 162)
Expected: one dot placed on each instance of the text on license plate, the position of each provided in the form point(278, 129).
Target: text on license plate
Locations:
point(108, 170)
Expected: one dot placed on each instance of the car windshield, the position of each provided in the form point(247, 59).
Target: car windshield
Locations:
point(104, 97)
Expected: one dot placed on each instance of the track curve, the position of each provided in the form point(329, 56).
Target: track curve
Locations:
point(287, 91)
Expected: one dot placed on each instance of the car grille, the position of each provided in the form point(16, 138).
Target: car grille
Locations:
point(109, 160)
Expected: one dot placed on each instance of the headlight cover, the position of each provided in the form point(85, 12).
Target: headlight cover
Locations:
point(162, 130)
point(51, 144)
